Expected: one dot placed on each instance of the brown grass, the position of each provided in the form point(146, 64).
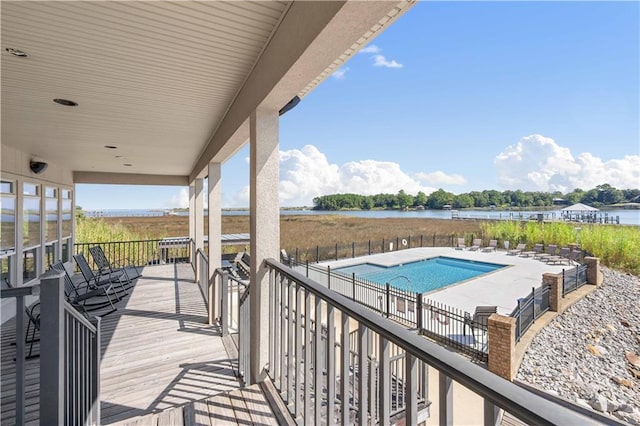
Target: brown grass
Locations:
point(306, 231)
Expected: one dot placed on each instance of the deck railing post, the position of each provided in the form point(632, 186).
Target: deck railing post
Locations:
point(20, 344)
point(353, 249)
point(388, 304)
point(224, 311)
point(95, 373)
point(533, 304)
point(369, 247)
point(419, 312)
point(52, 391)
point(307, 268)
point(445, 408)
point(329, 277)
point(317, 254)
point(409, 242)
point(353, 282)
point(383, 245)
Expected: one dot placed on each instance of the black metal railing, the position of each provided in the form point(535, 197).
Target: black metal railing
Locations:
point(355, 249)
point(450, 326)
point(314, 383)
point(141, 252)
point(455, 328)
point(530, 308)
point(573, 279)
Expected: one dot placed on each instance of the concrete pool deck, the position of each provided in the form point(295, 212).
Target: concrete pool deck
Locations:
point(502, 288)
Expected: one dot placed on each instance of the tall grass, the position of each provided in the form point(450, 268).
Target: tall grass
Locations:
point(617, 246)
point(97, 230)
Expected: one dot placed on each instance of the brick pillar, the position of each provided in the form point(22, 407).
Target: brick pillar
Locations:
point(594, 274)
point(555, 290)
point(502, 344)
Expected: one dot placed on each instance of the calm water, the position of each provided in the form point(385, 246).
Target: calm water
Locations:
point(627, 217)
point(422, 276)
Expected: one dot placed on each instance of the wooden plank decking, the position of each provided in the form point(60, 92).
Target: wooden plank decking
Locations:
point(157, 352)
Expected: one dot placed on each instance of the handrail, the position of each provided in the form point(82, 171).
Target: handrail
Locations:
point(523, 404)
point(29, 290)
point(76, 315)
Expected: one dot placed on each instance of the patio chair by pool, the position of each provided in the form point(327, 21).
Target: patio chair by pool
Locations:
point(519, 249)
point(562, 257)
point(286, 259)
point(480, 317)
point(477, 244)
point(551, 251)
point(493, 246)
point(461, 244)
point(533, 253)
point(105, 266)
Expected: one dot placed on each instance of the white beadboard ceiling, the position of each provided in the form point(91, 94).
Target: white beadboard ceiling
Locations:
point(152, 78)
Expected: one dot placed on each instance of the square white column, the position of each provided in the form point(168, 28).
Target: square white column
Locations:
point(264, 229)
point(215, 233)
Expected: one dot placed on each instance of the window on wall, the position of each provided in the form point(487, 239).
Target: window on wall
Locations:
point(31, 227)
point(31, 215)
point(51, 212)
point(67, 213)
point(8, 220)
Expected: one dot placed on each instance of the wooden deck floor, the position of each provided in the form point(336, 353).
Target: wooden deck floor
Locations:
point(157, 351)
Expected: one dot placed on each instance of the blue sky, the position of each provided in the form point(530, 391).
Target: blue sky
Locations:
point(462, 96)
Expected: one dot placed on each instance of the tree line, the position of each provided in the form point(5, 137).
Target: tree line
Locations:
point(601, 195)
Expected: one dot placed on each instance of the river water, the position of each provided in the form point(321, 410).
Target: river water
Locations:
point(626, 217)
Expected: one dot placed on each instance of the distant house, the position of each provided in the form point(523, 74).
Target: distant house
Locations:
point(560, 202)
point(446, 207)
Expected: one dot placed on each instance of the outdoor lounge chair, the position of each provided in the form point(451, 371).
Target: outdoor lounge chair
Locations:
point(243, 264)
point(104, 265)
point(480, 317)
point(562, 257)
point(86, 298)
point(94, 280)
point(461, 244)
point(477, 244)
point(286, 259)
point(551, 251)
point(493, 246)
point(516, 251)
point(532, 253)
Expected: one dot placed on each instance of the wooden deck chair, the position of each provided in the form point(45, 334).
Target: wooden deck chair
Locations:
point(85, 297)
point(461, 244)
point(105, 266)
point(93, 280)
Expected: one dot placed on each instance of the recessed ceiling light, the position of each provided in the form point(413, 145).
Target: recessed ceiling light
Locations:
point(128, 164)
point(16, 52)
point(111, 147)
point(65, 102)
point(118, 156)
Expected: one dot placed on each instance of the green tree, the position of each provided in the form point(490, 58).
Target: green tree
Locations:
point(404, 199)
point(462, 201)
point(420, 199)
point(439, 198)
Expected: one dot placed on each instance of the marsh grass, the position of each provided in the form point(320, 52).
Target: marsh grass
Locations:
point(617, 246)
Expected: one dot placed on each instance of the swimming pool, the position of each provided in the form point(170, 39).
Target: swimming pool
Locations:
point(421, 276)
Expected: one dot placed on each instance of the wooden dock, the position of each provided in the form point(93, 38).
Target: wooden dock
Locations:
point(158, 353)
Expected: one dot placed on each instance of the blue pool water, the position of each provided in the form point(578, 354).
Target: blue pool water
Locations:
point(424, 275)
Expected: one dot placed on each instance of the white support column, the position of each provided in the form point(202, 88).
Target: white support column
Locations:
point(199, 213)
point(215, 234)
point(18, 263)
point(192, 217)
point(264, 229)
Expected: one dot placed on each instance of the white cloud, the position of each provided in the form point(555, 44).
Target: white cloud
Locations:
point(441, 178)
point(339, 74)
point(538, 163)
point(372, 48)
point(180, 200)
point(306, 173)
point(381, 61)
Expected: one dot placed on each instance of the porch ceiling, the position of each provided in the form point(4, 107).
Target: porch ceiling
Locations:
point(168, 83)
